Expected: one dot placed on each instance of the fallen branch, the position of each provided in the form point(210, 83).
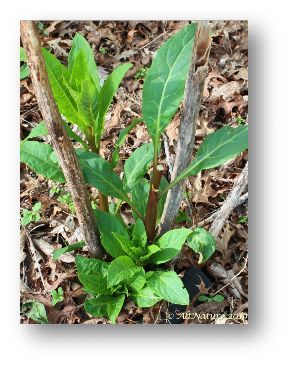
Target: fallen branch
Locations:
point(192, 102)
point(60, 140)
point(230, 203)
point(212, 217)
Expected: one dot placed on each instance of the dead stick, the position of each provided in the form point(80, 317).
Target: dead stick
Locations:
point(192, 102)
point(230, 203)
point(60, 140)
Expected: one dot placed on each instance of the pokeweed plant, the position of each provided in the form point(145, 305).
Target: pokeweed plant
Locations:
point(138, 254)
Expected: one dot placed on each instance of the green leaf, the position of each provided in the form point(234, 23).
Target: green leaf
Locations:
point(121, 139)
point(60, 251)
point(87, 103)
point(38, 131)
point(145, 298)
point(92, 274)
point(203, 298)
point(137, 281)
point(150, 250)
point(105, 306)
point(108, 224)
point(139, 236)
point(24, 71)
point(139, 196)
point(165, 81)
point(126, 245)
point(106, 94)
point(182, 217)
point(23, 57)
point(202, 242)
point(39, 157)
point(36, 207)
point(217, 148)
point(59, 77)
point(99, 173)
point(120, 269)
point(81, 59)
point(170, 245)
point(219, 298)
point(57, 296)
point(167, 285)
point(27, 217)
point(36, 311)
point(137, 164)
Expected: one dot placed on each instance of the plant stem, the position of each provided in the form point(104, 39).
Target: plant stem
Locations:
point(62, 144)
point(152, 206)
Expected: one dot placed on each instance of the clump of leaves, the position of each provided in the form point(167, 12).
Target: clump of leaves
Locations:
point(57, 296)
point(24, 70)
point(35, 310)
point(33, 215)
point(138, 253)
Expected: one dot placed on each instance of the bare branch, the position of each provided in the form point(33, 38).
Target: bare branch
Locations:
point(61, 142)
point(230, 203)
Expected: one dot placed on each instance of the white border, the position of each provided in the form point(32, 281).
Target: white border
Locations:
point(266, 335)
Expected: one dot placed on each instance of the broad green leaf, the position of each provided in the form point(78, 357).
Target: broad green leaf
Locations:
point(105, 306)
point(41, 130)
point(126, 245)
point(36, 207)
point(170, 245)
point(139, 236)
point(57, 73)
point(145, 298)
point(61, 251)
point(92, 274)
point(87, 103)
point(99, 173)
point(167, 285)
point(24, 71)
point(137, 164)
point(121, 139)
point(165, 81)
point(202, 242)
point(137, 281)
point(108, 224)
point(38, 156)
point(81, 46)
point(36, 311)
point(217, 148)
point(121, 269)
point(139, 196)
point(106, 94)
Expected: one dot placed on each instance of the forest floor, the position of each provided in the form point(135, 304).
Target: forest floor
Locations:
point(225, 102)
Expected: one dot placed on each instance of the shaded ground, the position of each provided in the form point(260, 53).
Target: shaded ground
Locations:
point(224, 103)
